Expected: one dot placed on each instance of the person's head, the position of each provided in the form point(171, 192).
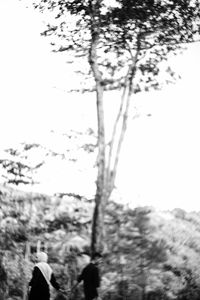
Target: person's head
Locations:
point(96, 257)
point(41, 257)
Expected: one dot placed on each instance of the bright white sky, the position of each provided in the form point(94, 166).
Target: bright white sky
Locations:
point(160, 162)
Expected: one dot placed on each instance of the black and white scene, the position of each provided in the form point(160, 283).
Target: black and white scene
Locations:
point(99, 150)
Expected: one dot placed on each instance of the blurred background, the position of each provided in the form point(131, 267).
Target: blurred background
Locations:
point(48, 171)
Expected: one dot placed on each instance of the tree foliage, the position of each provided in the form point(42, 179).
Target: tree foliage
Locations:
point(151, 29)
point(16, 167)
point(25, 163)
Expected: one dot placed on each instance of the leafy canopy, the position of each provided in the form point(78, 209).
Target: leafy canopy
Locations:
point(129, 32)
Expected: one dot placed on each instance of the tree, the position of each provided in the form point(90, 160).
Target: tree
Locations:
point(126, 44)
point(17, 169)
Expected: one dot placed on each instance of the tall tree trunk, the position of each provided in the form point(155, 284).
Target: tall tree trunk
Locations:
point(106, 169)
point(98, 215)
point(100, 197)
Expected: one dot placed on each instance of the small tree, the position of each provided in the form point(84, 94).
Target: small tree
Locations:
point(17, 169)
point(125, 44)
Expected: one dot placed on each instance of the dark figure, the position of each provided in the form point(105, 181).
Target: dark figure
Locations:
point(3, 280)
point(91, 277)
point(42, 278)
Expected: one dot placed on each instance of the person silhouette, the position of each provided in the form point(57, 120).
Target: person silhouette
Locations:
point(42, 278)
point(91, 277)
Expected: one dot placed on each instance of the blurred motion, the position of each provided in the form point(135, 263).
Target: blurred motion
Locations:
point(99, 155)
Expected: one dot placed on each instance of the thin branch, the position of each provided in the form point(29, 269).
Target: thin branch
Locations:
point(118, 116)
point(125, 115)
point(111, 144)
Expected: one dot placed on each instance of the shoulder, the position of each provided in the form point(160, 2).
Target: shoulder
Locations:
point(87, 268)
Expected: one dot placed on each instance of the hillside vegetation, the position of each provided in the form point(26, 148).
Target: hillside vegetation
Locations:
point(149, 254)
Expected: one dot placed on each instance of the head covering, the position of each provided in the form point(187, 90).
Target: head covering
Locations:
point(42, 257)
point(43, 266)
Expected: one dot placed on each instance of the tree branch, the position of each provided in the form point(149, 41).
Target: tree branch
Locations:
point(125, 114)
